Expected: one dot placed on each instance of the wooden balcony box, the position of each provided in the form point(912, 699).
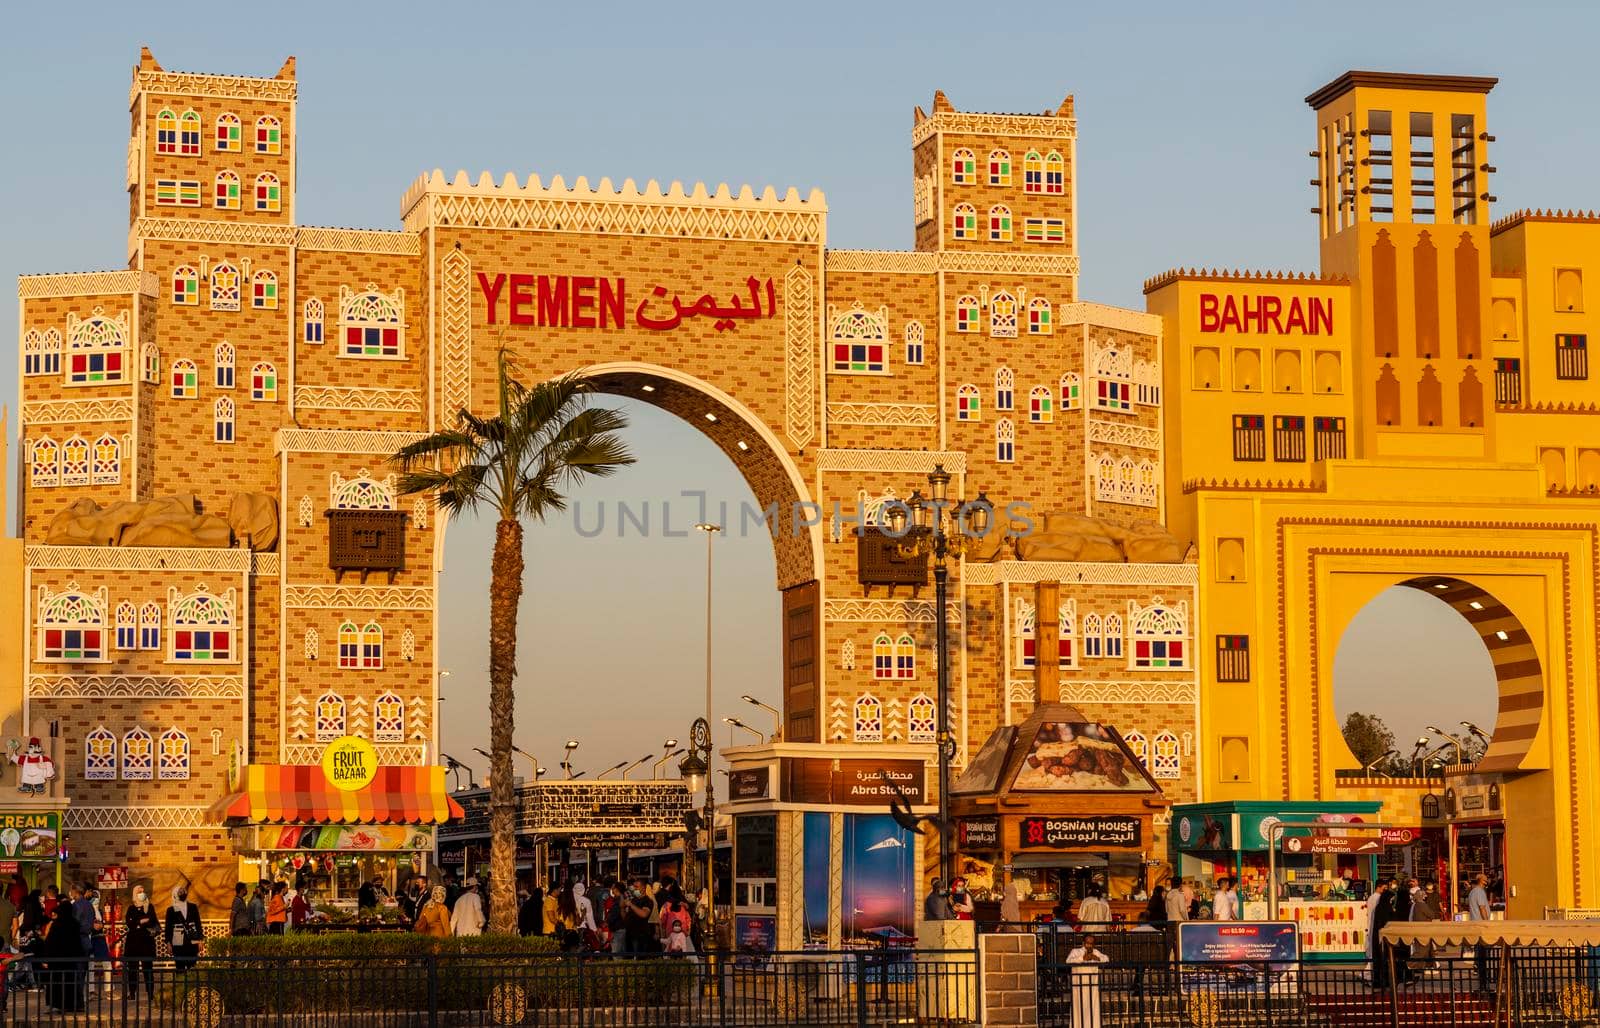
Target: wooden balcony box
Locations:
point(880, 562)
point(366, 541)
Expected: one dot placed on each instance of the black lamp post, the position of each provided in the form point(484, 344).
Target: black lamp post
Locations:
point(930, 538)
point(695, 769)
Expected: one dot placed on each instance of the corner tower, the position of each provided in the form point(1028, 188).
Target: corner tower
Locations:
point(1403, 212)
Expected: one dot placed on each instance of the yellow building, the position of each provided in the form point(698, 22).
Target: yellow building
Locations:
point(1418, 414)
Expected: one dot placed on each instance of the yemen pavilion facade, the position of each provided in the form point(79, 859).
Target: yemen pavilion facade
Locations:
point(220, 579)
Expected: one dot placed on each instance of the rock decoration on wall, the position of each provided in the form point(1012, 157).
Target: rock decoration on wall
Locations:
point(177, 521)
point(1078, 537)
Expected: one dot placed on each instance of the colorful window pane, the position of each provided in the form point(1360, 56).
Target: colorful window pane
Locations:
point(127, 627)
point(330, 717)
point(349, 645)
point(966, 314)
point(189, 134)
point(222, 417)
point(185, 285)
point(1005, 435)
point(1004, 388)
point(1040, 409)
point(905, 657)
point(915, 338)
point(1032, 172)
point(371, 646)
point(1040, 322)
point(269, 135)
point(965, 225)
point(999, 168)
point(1055, 175)
point(1160, 635)
point(230, 137)
point(138, 756)
point(185, 380)
point(264, 291)
point(150, 626)
point(371, 322)
point(105, 461)
point(75, 461)
point(883, 657)
point(174, 759)
point(100, 755)
point(967, 403)
point(1003, 316)
point(202, 626)
point(264, 382)
point(96, 349)
point(963, 167)
point(868, 726)
point(269, 194)
point(224, 287)
point(313, 314)
point(166, 132)
point(859, 341)
point(999, 224)
point(72, 625)
point(44, 462)
point(227, 192)
point(1166, 756)
point(922, 723)
point(222, 359)
point(1093, 635)
point(389, 719)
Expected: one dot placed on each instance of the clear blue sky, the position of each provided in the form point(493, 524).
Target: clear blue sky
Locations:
point(1192, 151)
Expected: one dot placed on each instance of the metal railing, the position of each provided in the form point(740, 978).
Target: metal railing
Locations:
point(851, 988)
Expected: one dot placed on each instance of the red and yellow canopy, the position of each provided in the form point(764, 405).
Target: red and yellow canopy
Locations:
point(301, 794)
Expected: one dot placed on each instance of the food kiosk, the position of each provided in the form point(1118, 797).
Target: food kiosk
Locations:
point(1055, 805)
point(1323, 874)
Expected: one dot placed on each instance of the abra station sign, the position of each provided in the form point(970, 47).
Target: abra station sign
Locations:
point(350, 763)
point(596, 301)
point(1267, 315)
point(1078, 832)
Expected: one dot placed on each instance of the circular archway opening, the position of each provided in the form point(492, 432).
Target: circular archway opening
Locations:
point(1414, 683)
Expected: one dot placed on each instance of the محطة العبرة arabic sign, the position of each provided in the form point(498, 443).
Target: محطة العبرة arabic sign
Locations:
point(1078, 832)
point(598, 301)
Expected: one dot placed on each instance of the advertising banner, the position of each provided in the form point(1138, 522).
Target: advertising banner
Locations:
point(29, 836)
point(1079, 832)
point(1238, 956)
point(372, 838)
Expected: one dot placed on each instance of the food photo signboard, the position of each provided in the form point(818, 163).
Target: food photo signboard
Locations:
point(1074, 757)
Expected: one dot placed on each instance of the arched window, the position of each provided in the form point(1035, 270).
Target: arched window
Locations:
point(264, 291)
point(127, 626)
point(370, 323)
point(966, 314)
point(1127, 481)
point(269, 135)
point(1003, 316)
point(166, 132)
point(1067, 634)
point(75, 461)
point(999, 224)
point(349, 645)
point(847, 655)
point(963, 168)
point(264, 382)
point(965, 223)
point(174, 759)
point(138, 761)
point(202, 627)
point(222, 358)
point(868, 719)
point(185, 379)
point(185, 285)
point(1023, 631)
point(1112, 368)
point(362, 492)
point(150, 364)
point(967, 404)
point(224, 287)
point(371, 646)
point(999, 168)
point(1005, 439)
point(1071, 391)
point(222, 420)
point(1160, 636)
point(1105, 477)
point(1149, 485)
point(922, 719)
point(389, 719)
point(312, 314)
point(311, 643)
point(1166, 756)
point(100, 755)
point(408, 645)
point(1055, 175)
point(1147, 384)
point(229, 136)
point(150, 626)
point(1093, 629)
point(105, 461)
point(330, 717)
point(1004, 388)
point(97, 349)
point(41, 352)
point(883, 656)
point(189, 134)
point(44, 462)
point(905, 657)
point(914, 342)
point(1040, 322)
point(227, 192)
point(1032, 172)
point(1113, 635)
point(269, 194)
point(1140, 747)
point(1040, 405)
point(858, 340)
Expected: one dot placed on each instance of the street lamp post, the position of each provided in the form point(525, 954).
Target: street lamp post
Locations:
point(777, 715)
point(566, 761)
point(695, 768)
point(669, 749)
point(734, 722)
point(932, 539)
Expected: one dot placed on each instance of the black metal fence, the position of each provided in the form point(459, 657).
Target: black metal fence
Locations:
point(779, 989)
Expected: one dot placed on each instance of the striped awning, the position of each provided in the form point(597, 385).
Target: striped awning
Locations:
point(301, 794)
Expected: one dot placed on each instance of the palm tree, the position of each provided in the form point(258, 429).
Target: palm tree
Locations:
point(544, 439)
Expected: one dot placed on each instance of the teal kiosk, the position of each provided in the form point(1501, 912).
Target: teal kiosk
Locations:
point(1323, 874)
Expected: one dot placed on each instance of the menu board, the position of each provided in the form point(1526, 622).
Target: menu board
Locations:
point(1328, 926)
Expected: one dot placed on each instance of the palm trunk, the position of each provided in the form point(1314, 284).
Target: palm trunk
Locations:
point(505, 592)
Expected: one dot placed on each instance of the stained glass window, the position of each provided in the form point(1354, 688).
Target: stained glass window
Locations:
point(229, 136)
point(174, 756)
point(96, 349)
point(264, 291)
point(222, 359)
point(868, 719)
point(269, 194)
point(166, 132)
point(965, 225)
point(1040, 322)
point(389, 719)
point(1112, 368)
point(138, 755)
point(185, 285)
point(1003, 316)
point(371, 323)
point(963, 167)
point(202, 626)
point(227, 193)
point(1071, 391)
point(905, 657)
point(1039, 405)
point(224, 287)
point(1140, 747)
point(44, 462)
point(174, 192)
point(1113, 635)
point(264, 382)
point(72, 625)
point(349, 645)
point(914, 342)
point(858, 341)
point(1166, 757)
point(269, 135)
point(41, 352)
point(127, 626)
point(1044, 230)
point(330, 716)
point(967, 404)
point(371, 646)
point(105, 461)
point(313, 321)
point(150, 626)
point(1055, 175)
point(222, 420)
point(1160, 636)
point(1032, 172)
point(1005, 437)
point(185, 379)
point(966, 314)
point(1093, 635)
point(883, 656)
point(75, 462)
point(1004, 388)
point(999, 168)
point(922, 719)
point(100, 755)
point(189, 134)
point(999, 224)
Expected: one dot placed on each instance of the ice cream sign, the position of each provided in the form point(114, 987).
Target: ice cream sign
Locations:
point(29, 836)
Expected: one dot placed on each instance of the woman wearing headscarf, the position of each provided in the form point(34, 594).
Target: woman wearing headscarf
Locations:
point(140, 926)
point(62, 955)
point(182, 930)
point(1010, 909)
point(588, 931)
point(435, 917)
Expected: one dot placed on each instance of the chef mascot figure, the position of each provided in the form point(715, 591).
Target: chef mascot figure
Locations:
point(34, 767)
